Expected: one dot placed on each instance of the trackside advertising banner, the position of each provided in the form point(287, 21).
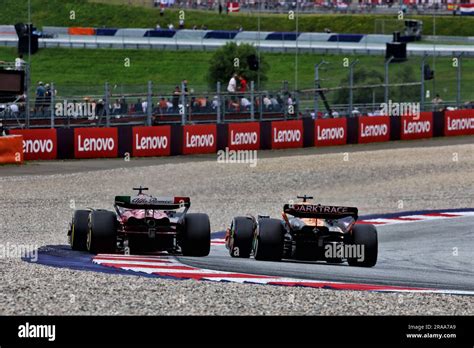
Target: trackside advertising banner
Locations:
point(151, 141)
point(330, 131)
point(374, 129)
point(459, 122)
point(38, 144)
point(244, 136)
point(95, 142)
point(287, 134)
point(413, 127)
point(199, 139)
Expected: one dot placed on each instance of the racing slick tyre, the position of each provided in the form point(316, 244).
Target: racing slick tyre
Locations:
point(79, 230)
point(242, 234)
point(269, 241)
point(102, 236)
point(365, 235)
point(196, 240)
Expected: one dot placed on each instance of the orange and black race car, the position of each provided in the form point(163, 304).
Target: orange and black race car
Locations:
point(312, 232)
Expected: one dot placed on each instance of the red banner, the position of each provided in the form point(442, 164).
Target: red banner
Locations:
point(151, 141)
point(459, 122)
point(413, 127)
point(287, 134)
point(244, 136)
point(95, 142)
point(11, 149)
point(38, 144)
point(199, 139)
point(374, 129)
point(330, 131)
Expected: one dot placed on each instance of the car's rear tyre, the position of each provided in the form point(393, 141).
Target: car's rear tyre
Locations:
point(270, 240)
point(365, 235)
point(102, 236)
point(196, 239)
point(242, 237)
point(79, 230)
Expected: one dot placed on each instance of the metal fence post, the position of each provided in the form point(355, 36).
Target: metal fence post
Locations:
point(351, 84)
point(183, 104)
point(252, 100)
point(387, 62)
point(149, 104)
point(51, 104)
point(27, 95)
point(459, 77)
point(106, 106)
point(218, 109)
point(316, 86)
point(422, 84)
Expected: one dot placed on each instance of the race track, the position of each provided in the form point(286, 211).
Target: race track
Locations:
point(418, 254)
point(38, 200)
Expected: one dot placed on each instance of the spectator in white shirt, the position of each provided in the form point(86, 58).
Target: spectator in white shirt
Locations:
point(19, 63)
point(232, 86)
point(245, 103)
point(144, 106)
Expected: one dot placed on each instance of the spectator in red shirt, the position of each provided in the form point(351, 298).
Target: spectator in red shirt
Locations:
point(243, 84)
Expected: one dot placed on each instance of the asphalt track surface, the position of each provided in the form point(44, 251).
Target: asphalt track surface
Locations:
point(435, 254)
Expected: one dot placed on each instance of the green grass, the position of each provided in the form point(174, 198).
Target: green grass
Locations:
point(57, 13)
point(84, 71)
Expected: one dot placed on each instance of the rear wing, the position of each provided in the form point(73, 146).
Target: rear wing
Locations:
point(148, 202)
point(320, 211)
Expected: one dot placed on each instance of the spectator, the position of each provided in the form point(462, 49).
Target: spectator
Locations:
point(181, 23)
point(245, 103)
point(243, 84)
point(232, 86)
point(2, 129)
point(158, 26)
point(175, 100)
point(267, 103)
point(437, 101)
point(116, 107)
point(138, 106)
point(171, 26)
point(163, 105)
point(15, 111)
point(144, 106)
point(40, 95)
point(19, 63)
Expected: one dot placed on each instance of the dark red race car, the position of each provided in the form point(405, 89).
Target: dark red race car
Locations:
point(142, 223)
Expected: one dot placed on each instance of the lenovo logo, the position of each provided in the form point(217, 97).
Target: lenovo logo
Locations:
point(373, 130)
point(95, 144)
point(199, 139)
point(286, 136)
point(243, 138)
point(416, 127)
point(460, 124)
point(151, 142)
point(202, 140)
point(330, 133)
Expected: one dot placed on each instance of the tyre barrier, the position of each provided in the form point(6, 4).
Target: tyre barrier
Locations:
point(170, 140)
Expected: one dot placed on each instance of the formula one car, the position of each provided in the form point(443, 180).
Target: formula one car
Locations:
point(306, 232)
point(142, 223)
